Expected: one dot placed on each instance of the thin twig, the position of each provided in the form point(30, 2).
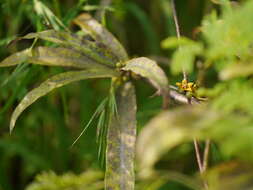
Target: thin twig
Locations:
point(189, 101)
point(206, 154)
point(174, 12)
point(180, 98)
point(196, 146)
point(201, 164)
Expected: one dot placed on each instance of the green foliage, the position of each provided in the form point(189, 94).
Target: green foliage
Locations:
point(55, 57)
point(56, 82)
point(185, 56)
point(48, 16)
point(98, 32)
point(94, 55)
point(224, 35)
point(226, 118)
point(217, 54)
point(90, 180)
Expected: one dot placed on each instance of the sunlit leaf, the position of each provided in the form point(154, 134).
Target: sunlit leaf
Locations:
point(236, 70)
point(91, 180)
point(64, 57)
point(166, 130)
point(55, 36)
point(149, 69)
point(231, 131)
point(88, 48)
point(121, 142)
point(174, 42)
point(16, 58)
point(231, 35)
point(184, 58)
point(101, 34)
point(56, 82)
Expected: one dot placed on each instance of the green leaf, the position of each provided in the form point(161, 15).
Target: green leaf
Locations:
point(236, 70)
point(55, 36)
point(63, 57)
point(16, 58)
point(231, 36)
point(149, 69)
point(96, 7)
point(44, 11)
point(184, 58)
point(174, 42)
point(56, 82)
point(90, 180)
point(101, 34)
point(49, 56)
point(88, 48)
point(99, 111)
point(168, 129)
point(121, 137)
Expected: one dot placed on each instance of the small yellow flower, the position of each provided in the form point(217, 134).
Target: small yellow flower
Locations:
point(186, 86)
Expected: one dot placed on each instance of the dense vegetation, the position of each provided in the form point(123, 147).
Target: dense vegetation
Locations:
point(190, 81)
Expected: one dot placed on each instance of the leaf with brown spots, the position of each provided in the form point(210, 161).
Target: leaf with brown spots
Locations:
point(121, 138)
point(101, 34)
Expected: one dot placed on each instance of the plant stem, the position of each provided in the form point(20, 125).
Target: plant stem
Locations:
point(206, 154)
point(180, 98)
point(205, 159)
point(174, 12)
point(197, 152)
point(202, 165)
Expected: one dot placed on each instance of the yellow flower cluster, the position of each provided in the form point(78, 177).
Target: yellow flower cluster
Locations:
point(186, 86)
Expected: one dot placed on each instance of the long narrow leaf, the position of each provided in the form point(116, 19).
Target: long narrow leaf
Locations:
point(98, 111)
point(56, 82)
point(89, 48)
point(89, 24)
point(64, 57)
point(42, 10)
point(121, 138)
point(16, 58)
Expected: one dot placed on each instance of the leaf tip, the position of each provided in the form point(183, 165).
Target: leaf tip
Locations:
point(12, 125)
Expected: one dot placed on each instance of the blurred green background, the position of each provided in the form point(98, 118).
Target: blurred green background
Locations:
point(44, 133)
